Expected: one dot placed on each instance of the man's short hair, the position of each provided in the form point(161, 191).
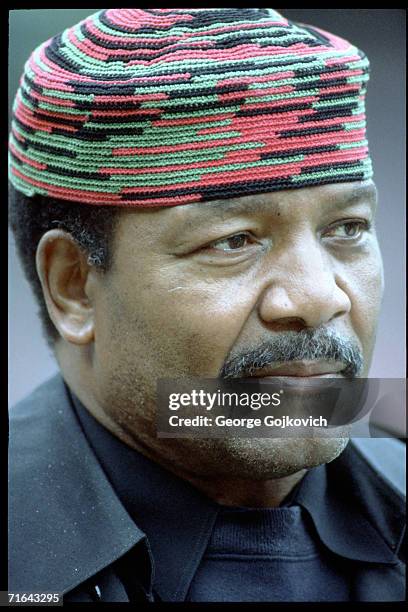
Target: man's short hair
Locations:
point(90, 226)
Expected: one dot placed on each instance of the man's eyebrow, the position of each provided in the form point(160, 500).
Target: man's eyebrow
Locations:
point(357, 194)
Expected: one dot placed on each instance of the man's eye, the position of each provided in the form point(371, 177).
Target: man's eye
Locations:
point(232, 243)
point(349, 229)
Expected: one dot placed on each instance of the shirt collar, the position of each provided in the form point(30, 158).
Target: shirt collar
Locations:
point(356, 513)
point(178, 519)
point(339, 520)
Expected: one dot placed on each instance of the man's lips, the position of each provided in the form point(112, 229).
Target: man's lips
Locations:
point(304, 369)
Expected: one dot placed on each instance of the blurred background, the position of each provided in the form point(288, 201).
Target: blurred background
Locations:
point(381, 34)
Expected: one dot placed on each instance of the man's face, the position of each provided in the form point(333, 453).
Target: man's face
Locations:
point(196, 288)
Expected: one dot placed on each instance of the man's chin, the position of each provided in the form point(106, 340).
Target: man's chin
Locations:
point(266, 458)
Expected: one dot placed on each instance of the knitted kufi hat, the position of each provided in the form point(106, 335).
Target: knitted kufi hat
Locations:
point(161, 107)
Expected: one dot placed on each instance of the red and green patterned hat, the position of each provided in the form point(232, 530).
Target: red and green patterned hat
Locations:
point(161, 107)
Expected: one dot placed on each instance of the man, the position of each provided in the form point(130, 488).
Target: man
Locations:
point(192, 195)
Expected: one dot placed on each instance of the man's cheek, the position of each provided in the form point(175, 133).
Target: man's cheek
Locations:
point(365, 292)
point(371, 282)
point(204, 323)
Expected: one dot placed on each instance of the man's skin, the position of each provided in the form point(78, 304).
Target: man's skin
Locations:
point(182, 296)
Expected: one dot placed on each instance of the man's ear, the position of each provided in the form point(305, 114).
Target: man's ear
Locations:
point(64, 274)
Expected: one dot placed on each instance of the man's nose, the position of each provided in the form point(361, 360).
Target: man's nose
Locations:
point(303, 287)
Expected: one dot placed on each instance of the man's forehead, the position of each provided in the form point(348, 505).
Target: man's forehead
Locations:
point(326, 197)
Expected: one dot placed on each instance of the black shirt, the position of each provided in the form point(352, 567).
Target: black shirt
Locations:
point(203, 551)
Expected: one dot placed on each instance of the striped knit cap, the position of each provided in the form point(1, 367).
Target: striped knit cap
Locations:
point(161, 107)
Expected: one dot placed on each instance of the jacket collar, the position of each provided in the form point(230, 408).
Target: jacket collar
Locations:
point(65, 521)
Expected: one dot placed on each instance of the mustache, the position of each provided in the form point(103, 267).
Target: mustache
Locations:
point(310, 345)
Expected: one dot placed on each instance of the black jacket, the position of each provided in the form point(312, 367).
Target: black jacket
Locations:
point(70, 534)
